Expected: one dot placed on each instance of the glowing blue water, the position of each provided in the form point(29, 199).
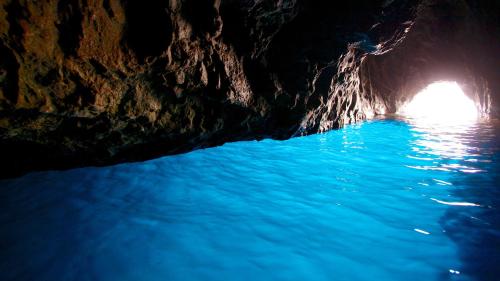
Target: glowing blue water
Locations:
point(383, 200)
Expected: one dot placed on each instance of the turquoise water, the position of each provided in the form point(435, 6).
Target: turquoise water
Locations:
point(382, 200)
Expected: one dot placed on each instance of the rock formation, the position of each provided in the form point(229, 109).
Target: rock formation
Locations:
point(105, 81)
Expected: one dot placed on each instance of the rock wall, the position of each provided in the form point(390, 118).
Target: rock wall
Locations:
point(97, 82)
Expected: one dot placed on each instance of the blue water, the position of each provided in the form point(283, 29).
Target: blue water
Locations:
point(382, 200)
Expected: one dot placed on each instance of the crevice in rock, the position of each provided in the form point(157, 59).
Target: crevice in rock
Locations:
point(79, 95)
point(107, 7)
point(98, 67)
point(70, 25)
point(9, 68)
point(202, 15)
point(321, 87)
point(260, 79)
point(234, 30)
point(148, 31)
point(45, 79)
point(16, 13)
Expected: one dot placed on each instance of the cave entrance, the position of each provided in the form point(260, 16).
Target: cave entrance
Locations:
point(442, 102)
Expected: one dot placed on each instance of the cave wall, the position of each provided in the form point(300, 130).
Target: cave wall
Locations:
point(97, 82)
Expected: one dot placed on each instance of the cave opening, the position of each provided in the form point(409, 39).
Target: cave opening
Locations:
point(443, 102)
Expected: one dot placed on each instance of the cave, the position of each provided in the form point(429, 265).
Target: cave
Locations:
point(250, 140)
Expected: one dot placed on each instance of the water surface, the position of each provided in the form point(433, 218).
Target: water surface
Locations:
point(381, 200)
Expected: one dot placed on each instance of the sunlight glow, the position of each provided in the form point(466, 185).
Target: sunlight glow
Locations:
point(441, 102)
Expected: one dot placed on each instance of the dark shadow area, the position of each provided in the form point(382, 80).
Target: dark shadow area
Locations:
point(202, 15)
point(70, 27)
point(8, 74)
point(149, 29)
point(476, 230)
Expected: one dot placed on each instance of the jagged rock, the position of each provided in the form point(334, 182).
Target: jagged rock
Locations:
point(108, 81)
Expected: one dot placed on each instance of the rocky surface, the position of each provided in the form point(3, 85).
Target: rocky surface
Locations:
point(106, 81)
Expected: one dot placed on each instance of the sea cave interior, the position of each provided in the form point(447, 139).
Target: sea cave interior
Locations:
point(250, 140)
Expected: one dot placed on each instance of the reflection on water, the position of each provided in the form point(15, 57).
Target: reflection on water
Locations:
point(471, 150)
point(381, 200)
point(445, 140)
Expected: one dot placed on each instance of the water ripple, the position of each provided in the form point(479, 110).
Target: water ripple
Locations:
point(345, 205)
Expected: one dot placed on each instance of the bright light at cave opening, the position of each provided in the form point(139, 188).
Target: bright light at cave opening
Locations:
point(441, 102)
